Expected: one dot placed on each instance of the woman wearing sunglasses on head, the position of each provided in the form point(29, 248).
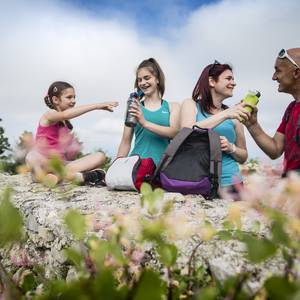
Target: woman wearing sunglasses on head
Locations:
point(206, 110)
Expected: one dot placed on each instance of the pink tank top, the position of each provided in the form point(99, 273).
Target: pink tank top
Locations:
point(56, 140)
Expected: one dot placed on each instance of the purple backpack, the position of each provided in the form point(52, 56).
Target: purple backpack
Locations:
point(191, 163)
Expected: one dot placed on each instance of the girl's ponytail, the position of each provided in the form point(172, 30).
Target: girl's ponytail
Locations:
point(49, 102)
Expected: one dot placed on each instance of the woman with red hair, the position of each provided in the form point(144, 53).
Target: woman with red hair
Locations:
point(206, 110)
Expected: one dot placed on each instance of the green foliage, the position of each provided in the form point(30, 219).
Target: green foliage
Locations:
point(4, 144)
point(29, 283)
point(11, 224)
point(167, 254)
point(76, 224)
point(208, 293)
point(252, 165)
point(149, 287)
point(259, 249)
point(57, 167)
point(7, 163)
point(109, 267)
point(75, 257)
point(280, 288)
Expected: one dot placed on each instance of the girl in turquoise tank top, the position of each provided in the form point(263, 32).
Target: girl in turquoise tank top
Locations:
point(206, 110)
point(158, 120)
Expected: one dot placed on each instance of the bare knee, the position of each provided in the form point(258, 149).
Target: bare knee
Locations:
point(35, 160)
point(99, 158)
point(31, 159)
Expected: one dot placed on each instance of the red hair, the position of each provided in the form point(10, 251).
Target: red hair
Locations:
point(202, 91)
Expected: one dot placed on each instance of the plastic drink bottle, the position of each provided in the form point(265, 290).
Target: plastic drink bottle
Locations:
point(252, 98)
point(131, 120)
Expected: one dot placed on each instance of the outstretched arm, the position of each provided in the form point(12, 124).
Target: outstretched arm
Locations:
point(53, 116)
point(125, 144)
point(189, 111)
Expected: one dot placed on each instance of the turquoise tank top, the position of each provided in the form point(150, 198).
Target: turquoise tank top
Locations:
point(146, 143)
point(230, 169)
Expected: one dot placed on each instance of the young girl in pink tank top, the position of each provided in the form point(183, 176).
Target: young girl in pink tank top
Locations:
point(55, 139)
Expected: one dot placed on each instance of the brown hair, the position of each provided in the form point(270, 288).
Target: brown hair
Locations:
point(56, 89)
point(152, 65)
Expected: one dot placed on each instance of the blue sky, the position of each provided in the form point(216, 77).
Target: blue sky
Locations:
point(97, 45)
point(151, 16)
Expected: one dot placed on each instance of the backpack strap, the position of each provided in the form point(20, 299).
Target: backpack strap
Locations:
point(215, 165)
point(172, 149)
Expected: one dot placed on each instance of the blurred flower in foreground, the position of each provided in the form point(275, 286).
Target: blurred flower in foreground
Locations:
point(23, 169)
point(274, 192)
point(234, 215)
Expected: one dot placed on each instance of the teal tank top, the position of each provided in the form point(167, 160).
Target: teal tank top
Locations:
point(146, 143)
point(230, 168)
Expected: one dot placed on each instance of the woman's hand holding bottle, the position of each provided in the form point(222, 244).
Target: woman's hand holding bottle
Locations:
point(137, 112)
point(238, 112)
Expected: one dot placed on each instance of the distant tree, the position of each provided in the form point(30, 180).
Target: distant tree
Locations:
point(4, 144)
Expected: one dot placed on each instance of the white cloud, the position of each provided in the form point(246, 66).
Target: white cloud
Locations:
point(41, 43)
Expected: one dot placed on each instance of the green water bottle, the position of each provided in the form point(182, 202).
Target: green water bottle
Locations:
point(252, 98)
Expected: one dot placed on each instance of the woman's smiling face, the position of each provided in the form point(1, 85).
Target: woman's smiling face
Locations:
point(224, 85)
point(147, 82)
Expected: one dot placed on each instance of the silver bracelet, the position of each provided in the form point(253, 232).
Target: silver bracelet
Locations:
point(233, 149)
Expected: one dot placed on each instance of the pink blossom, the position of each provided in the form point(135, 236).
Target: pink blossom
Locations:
point(21, 260)
point(137, 256)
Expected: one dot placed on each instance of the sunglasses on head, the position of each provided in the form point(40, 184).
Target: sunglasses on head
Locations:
point(283, 54)
point(214, 64)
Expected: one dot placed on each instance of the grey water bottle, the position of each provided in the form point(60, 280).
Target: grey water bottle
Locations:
point(131, 120)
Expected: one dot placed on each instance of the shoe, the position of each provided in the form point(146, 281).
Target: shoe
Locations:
point(95, 177)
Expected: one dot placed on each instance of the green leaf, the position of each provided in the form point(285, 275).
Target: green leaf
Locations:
point(29, 283)
point(149, 287)
point(228, 225)
point(259, 249)
point(146, 189)
point(279, 234)
point(99, 250)
point(256, 226)
point(158, 195)
point(57, 166)
point(152, 231)
point(76, 224)
point(104, 286)
point(208, 293)
point(116, 252)
point(224, 235)
point(167, 254)
point(74, 256)
point(11, 223)
point(167, 207)
point(280, 288)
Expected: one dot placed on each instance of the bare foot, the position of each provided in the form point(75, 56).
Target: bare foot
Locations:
point(50, 180)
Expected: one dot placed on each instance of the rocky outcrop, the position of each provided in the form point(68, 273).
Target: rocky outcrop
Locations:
point(43, 210)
